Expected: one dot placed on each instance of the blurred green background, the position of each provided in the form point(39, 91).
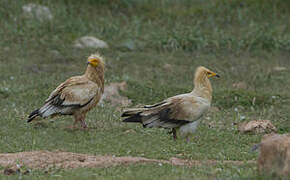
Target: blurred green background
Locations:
point(155, 46)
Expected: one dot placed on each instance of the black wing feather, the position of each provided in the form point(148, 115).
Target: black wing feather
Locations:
point(164, 117)
point(57, 101)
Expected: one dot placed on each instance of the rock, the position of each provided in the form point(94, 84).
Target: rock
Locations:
point(81, 159)
point(90, 42)
point(39, 12)
point(11, 171)
point(167, 67)
point(112, 96)
point(55, 53)
point(257, 126)
point(132, 45)
point(130, 131)
point(279, 68)
point(274, 158)
point(57, 56)
point(240, 85)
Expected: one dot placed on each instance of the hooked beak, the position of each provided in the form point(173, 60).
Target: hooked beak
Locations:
point(213, 74)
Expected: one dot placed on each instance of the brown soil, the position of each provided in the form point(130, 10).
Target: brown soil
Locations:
point(57, 159)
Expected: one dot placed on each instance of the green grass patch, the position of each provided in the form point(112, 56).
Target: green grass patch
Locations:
point(242, 41)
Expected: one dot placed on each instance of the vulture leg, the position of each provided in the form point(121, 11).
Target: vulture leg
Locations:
point(174, 133)
point(80, 118)
point(84, 124)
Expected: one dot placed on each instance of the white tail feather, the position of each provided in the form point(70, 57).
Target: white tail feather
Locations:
point(48, 110)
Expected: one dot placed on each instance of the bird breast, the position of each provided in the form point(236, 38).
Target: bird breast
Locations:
point(188, 128)
point(193, 109)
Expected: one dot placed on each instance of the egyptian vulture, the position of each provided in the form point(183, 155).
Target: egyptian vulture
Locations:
point(181, 113)
point(77, 95)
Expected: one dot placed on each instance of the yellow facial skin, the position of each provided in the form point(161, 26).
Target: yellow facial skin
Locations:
point(93, 62)
point(212, 74)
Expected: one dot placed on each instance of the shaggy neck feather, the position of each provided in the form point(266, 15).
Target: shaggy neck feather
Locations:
point(96, 74)
point(202, 86)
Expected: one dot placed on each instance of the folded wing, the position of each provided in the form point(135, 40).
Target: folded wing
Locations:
point(75, 93)
point(171, 113)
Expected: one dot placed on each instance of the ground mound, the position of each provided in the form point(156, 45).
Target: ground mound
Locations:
point(67, 160)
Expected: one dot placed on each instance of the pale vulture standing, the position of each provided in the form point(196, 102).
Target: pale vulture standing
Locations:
point(77, 95)
point(181, 113)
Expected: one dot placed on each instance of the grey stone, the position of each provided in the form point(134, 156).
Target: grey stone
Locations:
point(90, 42)
point(36, 11)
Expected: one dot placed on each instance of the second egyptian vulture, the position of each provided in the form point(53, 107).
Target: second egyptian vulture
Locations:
point(77, 95)
point(181, 113)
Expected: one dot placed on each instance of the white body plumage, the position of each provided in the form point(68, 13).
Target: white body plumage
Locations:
point(181, 113)
point(203, 107)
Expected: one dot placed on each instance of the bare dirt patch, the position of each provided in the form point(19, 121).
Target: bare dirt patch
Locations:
point(68, 160)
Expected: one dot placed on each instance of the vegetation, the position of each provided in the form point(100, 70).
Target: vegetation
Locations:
point(241, 40)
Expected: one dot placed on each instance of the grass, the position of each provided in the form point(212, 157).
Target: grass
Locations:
point(144, 171)
point(242, 41)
